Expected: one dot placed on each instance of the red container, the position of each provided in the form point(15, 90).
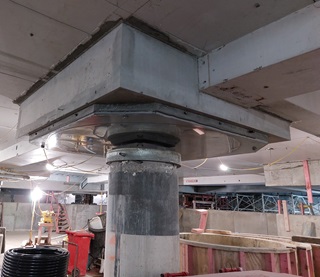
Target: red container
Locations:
point(79, 250)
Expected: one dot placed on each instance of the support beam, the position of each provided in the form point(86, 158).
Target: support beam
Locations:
point(129, 66)
point(262, 48)
point(247, 179)
point(308, 181)
point(292, 174)
point(264, 69)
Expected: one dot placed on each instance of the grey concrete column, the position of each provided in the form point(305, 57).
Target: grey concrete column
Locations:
point(142, 237)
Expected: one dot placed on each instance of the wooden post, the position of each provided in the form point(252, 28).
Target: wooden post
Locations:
point(211, 261)
point(310, 262)
point(308, 181)
point(202, 223)
point(286, 215)
point(279, 207)
point(190, 259)
point(270, 262)
point(242, 260)
point(294, 262)
point(301, 208)
point(285, 265)
point(304, 266)
point(316, 259)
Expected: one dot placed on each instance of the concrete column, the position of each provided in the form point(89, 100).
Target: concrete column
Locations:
point(142, 238)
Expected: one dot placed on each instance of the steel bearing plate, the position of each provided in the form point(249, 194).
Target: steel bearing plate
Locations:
point(200, 136)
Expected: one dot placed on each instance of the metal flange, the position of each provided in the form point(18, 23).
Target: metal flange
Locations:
point(159, 134)
point(143, 154)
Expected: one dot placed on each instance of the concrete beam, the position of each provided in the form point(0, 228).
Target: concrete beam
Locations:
point(129, 66)
point(271, 69)
point(281, 40)
point(291, 174)
point(17, 149)
point(247, 179)
point(47, 185)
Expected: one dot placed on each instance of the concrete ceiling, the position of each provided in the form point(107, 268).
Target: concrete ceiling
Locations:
point(37, 35)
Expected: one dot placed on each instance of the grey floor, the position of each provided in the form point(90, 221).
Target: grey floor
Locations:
point(18, 239)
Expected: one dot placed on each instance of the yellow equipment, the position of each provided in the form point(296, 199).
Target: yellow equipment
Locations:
point(46, 216)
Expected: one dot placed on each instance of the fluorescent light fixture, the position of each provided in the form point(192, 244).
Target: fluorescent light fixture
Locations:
point(52, 141)
point(50, 167)
point(36, 194)
point(199, 131)
point(223, 167)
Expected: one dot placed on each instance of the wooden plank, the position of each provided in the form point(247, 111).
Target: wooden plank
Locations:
point(304, 239)
point(294, 262)
point(225, 259)
point(183, 257)
point(279, 207)
point(286, 215)
point(304, 269)
point(202, 223)
point(203, 219)
point(211, 261)
point(190, 259)
point(221, 232)
point(270, 262)
point(255, 273)
point(316, 259)
point(254, 261)
point(242, 260)
point(308, 181)
point(285, 266)
point(212, 252)
point(310, 263)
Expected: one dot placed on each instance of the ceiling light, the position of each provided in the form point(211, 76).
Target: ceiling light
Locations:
point(52, 141)
point(36, 194)
point(199, 131)
point(50, 167)
point(223, 167)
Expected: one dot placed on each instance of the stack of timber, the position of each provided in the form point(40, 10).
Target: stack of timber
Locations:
point(214, 250)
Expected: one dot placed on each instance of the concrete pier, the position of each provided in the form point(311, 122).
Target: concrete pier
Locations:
point(142, 229)
point(142, 238)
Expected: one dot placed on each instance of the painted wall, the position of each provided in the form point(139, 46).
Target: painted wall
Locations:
point(17, 216)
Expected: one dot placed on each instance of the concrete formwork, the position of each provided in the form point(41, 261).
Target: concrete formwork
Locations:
point(17, 216)
point(249, 222)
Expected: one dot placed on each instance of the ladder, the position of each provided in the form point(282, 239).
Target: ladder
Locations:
point(62, 219)
point(62, 222)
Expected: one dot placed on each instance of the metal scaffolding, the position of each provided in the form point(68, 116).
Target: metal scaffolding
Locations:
point(265, 203)
point(270, 203)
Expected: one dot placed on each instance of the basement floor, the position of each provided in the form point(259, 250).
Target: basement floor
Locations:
point(16, 239)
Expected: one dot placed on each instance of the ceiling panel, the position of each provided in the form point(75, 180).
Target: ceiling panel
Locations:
point(21, 68)
point(7, 136)
point(11, 86)
point(8, 117)
point(7, 102)
point(78, 14)
point(209, 24)
point(302, 146)
point(33, 37)
point(130, 6)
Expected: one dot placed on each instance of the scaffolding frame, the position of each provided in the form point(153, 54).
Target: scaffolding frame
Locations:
point(265, 203)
